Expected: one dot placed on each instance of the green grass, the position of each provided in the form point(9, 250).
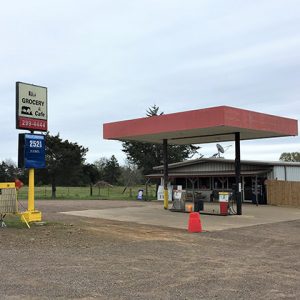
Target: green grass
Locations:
point(14, 221)
point(83, 193)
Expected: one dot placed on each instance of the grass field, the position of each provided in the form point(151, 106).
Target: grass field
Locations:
point(81, 193)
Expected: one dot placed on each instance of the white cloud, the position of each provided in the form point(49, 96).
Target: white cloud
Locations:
point(110, 60)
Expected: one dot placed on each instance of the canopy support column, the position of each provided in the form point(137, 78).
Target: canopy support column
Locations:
point(166, 176)
point(238, 184)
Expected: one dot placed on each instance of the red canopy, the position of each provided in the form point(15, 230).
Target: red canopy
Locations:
point(202, 126)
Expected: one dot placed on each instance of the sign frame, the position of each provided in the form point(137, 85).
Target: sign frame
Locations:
point(32, 151)
point(31, 107)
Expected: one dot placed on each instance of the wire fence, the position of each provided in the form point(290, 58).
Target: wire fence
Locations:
point(115, 192)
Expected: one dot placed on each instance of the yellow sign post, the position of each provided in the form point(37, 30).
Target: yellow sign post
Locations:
point(166, 199)
point(31, 215)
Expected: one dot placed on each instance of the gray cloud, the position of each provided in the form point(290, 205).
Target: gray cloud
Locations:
point(105, 61)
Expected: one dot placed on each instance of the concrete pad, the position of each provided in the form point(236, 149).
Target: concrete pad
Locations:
point(152, 213)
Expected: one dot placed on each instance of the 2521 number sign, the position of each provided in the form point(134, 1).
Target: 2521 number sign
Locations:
point(31, 151)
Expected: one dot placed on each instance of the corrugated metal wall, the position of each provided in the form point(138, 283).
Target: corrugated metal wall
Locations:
point(282, 172)
point(278, 173)
point(293, 173)
point(289, 173)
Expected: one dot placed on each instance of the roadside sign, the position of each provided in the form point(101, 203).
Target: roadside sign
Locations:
point(31, 107)
point(31, 151)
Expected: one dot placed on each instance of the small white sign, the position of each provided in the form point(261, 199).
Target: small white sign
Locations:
point(177, 194)
point(240, 187)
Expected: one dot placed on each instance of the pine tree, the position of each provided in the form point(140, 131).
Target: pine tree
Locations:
point(147, 155)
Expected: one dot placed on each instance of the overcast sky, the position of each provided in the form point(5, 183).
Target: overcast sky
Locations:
point(105, 61)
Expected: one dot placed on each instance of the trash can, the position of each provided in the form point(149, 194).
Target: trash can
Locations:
point(198, 205)
point(140, 195)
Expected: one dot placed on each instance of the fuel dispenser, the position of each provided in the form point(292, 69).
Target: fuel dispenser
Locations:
point(224, 203)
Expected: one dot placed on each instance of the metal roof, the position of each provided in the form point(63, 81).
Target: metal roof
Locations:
point(229, 161)
point(209, 174)
point(207, 125)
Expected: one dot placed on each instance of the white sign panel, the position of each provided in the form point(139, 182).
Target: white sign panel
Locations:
point(223, 197)
point(31, 108)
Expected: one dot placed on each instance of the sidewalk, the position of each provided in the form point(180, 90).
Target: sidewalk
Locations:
point(153, 213)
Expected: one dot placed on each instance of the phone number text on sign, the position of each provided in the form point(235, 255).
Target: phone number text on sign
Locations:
point(33, 124)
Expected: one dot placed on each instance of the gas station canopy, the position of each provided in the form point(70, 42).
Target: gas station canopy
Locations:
point(216, 124)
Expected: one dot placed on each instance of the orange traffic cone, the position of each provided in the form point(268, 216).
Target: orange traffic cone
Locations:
point(194, 222)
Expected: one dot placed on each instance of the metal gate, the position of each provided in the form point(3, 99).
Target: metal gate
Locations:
point(8, 200)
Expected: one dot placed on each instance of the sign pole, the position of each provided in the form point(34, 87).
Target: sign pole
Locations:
point(166, 177)
point(238, 185)
point(31, 215)
point(31, 191)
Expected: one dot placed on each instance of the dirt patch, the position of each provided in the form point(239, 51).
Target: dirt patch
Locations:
point(83, 258)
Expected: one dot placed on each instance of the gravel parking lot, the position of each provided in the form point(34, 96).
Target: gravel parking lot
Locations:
point(75, 257)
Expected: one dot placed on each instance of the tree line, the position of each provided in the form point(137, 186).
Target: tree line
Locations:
point(66, 166)
point(66, 163)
